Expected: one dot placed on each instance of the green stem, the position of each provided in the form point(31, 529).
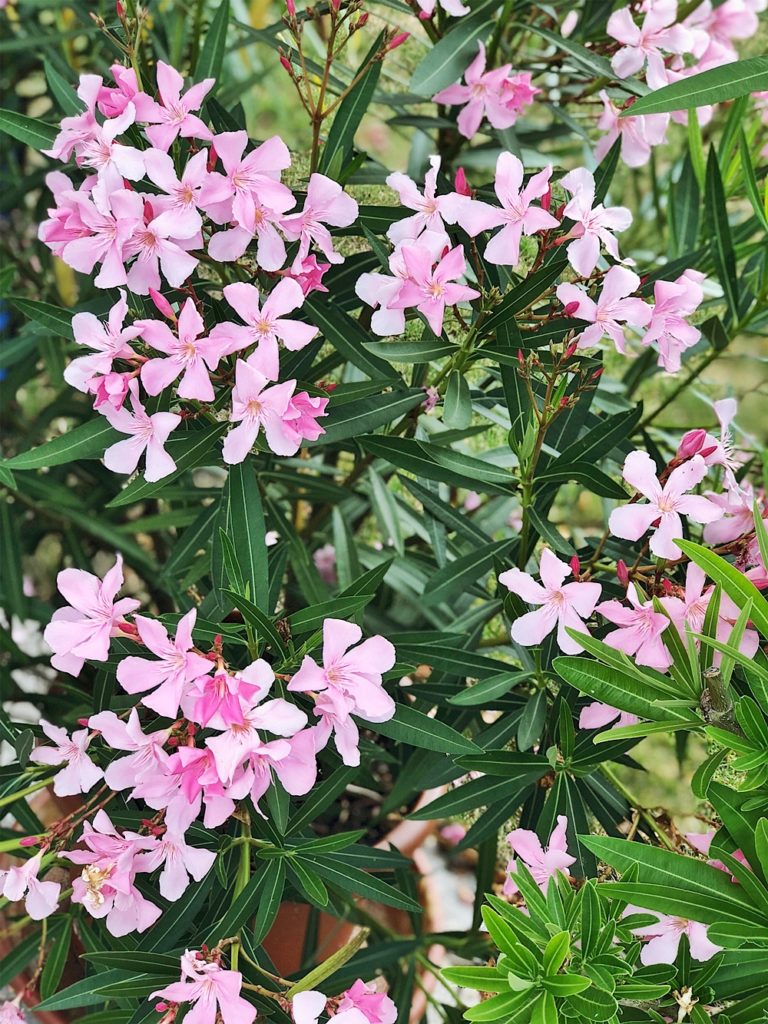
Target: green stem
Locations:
point(242, 878)
point(13, 797)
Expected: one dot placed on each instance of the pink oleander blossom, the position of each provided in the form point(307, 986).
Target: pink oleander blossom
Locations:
point(494, 94)
point(212, 991)
point(307, 1007)
point(561, 605)
point(594, 224)
point(79, 774)
point(109, 341)
point(180, 863)
point(146, 755)
point(668, 327)
point(738, 518)
point(186, 354)
point(177, 666)
point(665, 505)
point(40, 898)
point(218, 701)
point(542, 862)
point(326, 203)
point(110, 222)
point(611, 312)
point(453, 7)
point(597, 715)
point(189, 781)
point(173, 114)
point(664, 940)
point(310, 275)
point(375, 1006)
point(264, 324)
point(431, 287)
point(640, 630)
point(113, 101)
point(382, 290)
point(82, 629)
point(647, 43)
point(155, 248)
point(638, 134)
point(146, 434)
point(702, 841)
point(430, 207)
point(10, 1013)
point(179, 213)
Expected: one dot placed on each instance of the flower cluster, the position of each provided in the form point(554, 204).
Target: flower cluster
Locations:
point(145, 220)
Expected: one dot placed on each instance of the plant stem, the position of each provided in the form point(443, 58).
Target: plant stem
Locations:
point(632, 800)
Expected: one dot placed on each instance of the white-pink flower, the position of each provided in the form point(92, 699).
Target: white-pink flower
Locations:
point(596, 715)
point(186, 354)
point(146, 755)
point(179, 213)
point(431, 287)
point(375, 1006)
point(173, 115)
point(542, 862)
point(612, 312)
point(179, 861)
point(638, 134)
point(147, 434)
point(326, 203)
point(307, 1007)
point(430, 207)
point(109, 341)
point(664, 940)
point(665, 505)
point(82, 629)
point(40, 898)
point(668, 328)
point(109, 222)
point(167, 677)
point(10, 1012)
point(79, 774)
point(156, 248)
point(640, 630)
point(593, 223)
point(647, 43)
point(453, 7)
point(211, 989)
point(561, 605)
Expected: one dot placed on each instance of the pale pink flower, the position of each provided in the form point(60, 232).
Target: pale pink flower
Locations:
point(668, 327)
point(647, 43)
point(147, 433)
point(179, 206)
point(453, 833)
point(492, 94)
point(306, 1008)
point(737, 518)
point(173, 116)
point(594, 223)
point(179, 861)
point(666, 504)
point(190, 779)
point(82, 629)
point(155, 249)
point(80, 774)
point(701, 842)
point(640, 629)
point(596, 715)
point(431, 287)
point(612, 312)
point(265, 324)
point(293, 760)
point(186, 354)
point(719, 450)
point(382, 290)
point(638, 134)
point(543, 863)
point(211, 989)
point(453, 7)
point(310, 276)
point(40, 898)
point(664, 940)
point(111, 221)
point(326, 203)
point(146, 755)
point(375, 1006)
point(430, 207)
point(325, 563)
point(109, 341)
point(177, 666)
point(561, 606)
point(10, 1012)
point(112, 388)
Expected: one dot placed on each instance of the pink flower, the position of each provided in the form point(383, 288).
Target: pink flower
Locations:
point(40, 898)
point(212, 990)
point(155, 249)
point(9, 1011)
point(326, 203)
point(640, 630)
point(658, 35)
point(219, 701)
point(264, 325)
point(179, 207)
point(113, 388)
point(594, 224)
point(109, 342)
point(737, 520)
point(429, 287)
point(375, 1006)
point(719, 450)
point(310, 276)
point(666, 504)
point(638, 134)
point(348, 683)
point(83, 628)
point(382, 290)
point(178, 665)
point(325, 563)
point(453, 7)
point(186, 353)
point(65, 223)
point(306, 1008)
point(190, 779)
point(179, 861)
point(517, 217)
point(430, 208)
point(112, 102)
point(561, 606)
point(701, 842)
point(80, 774)
point(147, 433)
point(596, 715)
point(543, 864)
point(664, 940)
point(492, 94)
point(173, 116)
point(110, 222)
point(106, 885)
point(612, 312)
point(668, 326)
point(146, 755)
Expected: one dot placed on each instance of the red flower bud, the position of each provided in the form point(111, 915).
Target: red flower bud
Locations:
point(285, 62)
point(212, 158)
point(29, 841)
point(706, 452)
point(575, 565)
point(291, 7)
point(691, 443)
point(460, 183)
point(149, 213)
point(398, 40)
point(520, 357)
point(598, 373)
point(83, 722)
point(571, 350)
point(546, 199)
point(667, 585)
point(571, 307)
point(119, 10)
point(622, 573)
point(336, 4)
point(361, 20)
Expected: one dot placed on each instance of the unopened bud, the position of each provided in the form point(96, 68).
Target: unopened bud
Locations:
point(149, 213)
point(667, 585)
point(571, 307)
point(286, 63)
point(191, 729)
point(598, 373)
point(460, 183)
point(291, 8)
point(571, 350)
point(546, 199)
point(361, 20)
point(162, 305)
point(29, 841)
point(83, 722)
point(119, 10)
point(212, 158)
point(622, 573)
point(706, 452)
point(575, 565)
point(173, 741)
point(398, 40)
point(520, 357)
point(691, 443)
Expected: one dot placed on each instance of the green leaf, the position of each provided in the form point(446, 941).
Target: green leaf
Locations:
point(566, 984)
point(352, 879)
point(59, 937)
point(595, 65)
point(347, 337)
point(351, 111)
point(556, 953)
point(488, 690)
point(244, 906)
point(88, 441)
point(483, 979)
point(717, 85)
point(719, 230)
point(351, 419)
point(510, 764)
point(585, 473)
point(387, 513)
point(419, 730)
point(64, 91)
point(447, 60)
point(273, 884)
point(29, 130)
point(308, 882)
point(435, 462)
point(457, 404)
point(594, 1005)
point(461, 573)
point(261, 622)
point(249, 531)
point(619, 690)
point(56, 320)
point(734, 583)
point(90, 991)
point(212, 53)
point(527, 292)
point(313, 617)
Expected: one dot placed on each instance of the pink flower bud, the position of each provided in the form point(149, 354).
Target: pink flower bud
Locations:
point(460, 183)
point(571, 307)
point(285, 62)
point(149, 213)
point(29, 841)
point(546, 199)
point(575, 565)
point(622, 573)
point(706, 452)
point(212, 158)
point(291, 7)
point(398, 40)
point(667, 585)
point(361, 20)
point(162, 305)
point(424, 16)
point(691, 443)
point(598, 373)
point(83, 722)
point(119, 10)
point(571, 350)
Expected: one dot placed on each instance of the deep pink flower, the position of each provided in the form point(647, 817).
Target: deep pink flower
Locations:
point(431, 287)
point(640, 629)
point(109, 341)
point(542, 863)
point(146, 755)
point(310, 276)
point(668, 327)
point(647, 43)
point(612, 312)
point(178, 664)
point(596, 715)
point(594, 224)
point(375, 1006)
point(83, 628)
point(80, 774)
point(664, 940)
point(303, 413)
point(326, 203)
point(112, 102)
point(561, 605)
point(638, 134)
point(113, 388)
point(64, 223)
point(173, 116)
point(211, 989)
point(186, 354)
point(147, 433)
point(179, 861)
point(665, 503)
point(265, 324)
point(40, 898)
point(178, 208)
point(218, 701)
